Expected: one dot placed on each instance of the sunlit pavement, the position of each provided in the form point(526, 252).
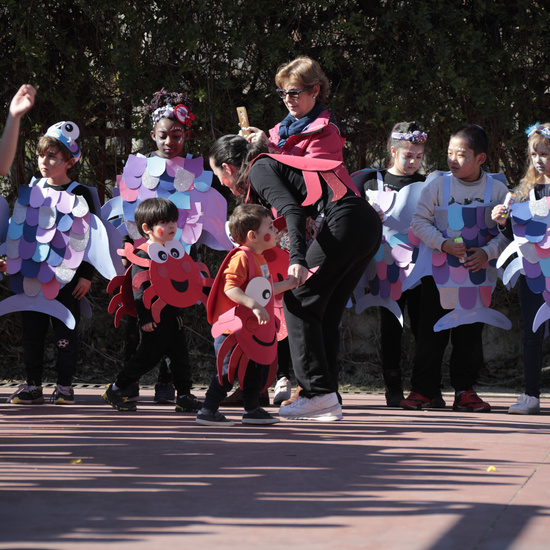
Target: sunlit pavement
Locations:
point(87, 476)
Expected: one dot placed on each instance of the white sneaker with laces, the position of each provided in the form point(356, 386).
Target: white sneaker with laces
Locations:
point(283, 390)
point(324, 408)
point(527, 404)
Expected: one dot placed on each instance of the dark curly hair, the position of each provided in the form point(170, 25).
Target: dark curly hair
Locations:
point(163, 97)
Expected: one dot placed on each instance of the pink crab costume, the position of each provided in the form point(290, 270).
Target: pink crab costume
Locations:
point(50, 234)
point(176, 280)
point(382, 283)
point(530, 223)
point(250, 340)
point(203, 210)
point(466, 293)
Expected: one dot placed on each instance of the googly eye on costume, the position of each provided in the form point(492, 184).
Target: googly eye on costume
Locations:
point(260, 290)
point(66, 132)
point(175, 249)
point(158, 253)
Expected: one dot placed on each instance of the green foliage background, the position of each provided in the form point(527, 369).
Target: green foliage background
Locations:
point(442, 63)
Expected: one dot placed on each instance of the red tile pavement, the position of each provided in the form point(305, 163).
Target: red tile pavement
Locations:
point(89, 477)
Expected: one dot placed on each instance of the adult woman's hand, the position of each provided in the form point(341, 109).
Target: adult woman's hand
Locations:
point(299, 272)
point(255, 135)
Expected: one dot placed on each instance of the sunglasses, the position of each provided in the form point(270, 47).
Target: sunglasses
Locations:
point(292, 94)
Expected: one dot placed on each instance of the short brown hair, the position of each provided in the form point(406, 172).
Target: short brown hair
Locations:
point(153, 211)
point(307, 71)
point(245, 218)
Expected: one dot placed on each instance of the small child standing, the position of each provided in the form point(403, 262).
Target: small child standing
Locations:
point(534, 185)
point(57, 153)
point(406, 146)
point(466, 183)
point(171, 118)
point(156, 220)
point(251, 226)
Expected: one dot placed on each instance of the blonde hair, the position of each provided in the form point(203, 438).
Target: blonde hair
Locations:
point(307, 71)
point(532, 177)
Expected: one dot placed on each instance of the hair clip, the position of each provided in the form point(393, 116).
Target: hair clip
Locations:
point(416, 137)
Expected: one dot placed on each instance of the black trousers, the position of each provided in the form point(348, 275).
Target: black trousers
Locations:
point(35, 328)
point(466, 356)
point(167, 339)
point(349, 238)
point(391, 330)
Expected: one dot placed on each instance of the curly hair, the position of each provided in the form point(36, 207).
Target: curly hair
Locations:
point(163, 97)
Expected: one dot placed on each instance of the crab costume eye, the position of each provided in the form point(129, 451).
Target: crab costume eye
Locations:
point(175, 249)
point(260, 290)
point(158, 253)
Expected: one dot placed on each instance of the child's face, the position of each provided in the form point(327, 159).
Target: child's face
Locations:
point(169, 135)
point(161, 232)
point(53, 166)
point(407, 159)
point(462, 161)
point(540, 157)
point(266, 234)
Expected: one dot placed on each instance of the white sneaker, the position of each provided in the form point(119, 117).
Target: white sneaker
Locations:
point(527, 404)
point(283, 390)
point(325, 408)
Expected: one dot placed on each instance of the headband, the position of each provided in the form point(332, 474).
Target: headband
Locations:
point(538, 128)
point(66, 133)
point(180, 112)
point(416, 137)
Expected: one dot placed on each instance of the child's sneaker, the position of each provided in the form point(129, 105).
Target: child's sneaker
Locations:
point(469, 401)
point(527, 404)
point(164, 393)
point(283, 390)
point(62, 395)
point(209, 418)
point(259, 416)
point(118, 399)
point(415, 401)
point(27, 394)
point(188, 403)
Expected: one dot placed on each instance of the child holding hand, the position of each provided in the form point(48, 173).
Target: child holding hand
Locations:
point(251, 226)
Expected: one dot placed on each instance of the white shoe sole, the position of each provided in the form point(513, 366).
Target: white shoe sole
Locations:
point(524, 411)
point(325, 415)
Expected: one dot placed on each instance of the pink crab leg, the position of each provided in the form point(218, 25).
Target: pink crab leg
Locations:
point(116, 301)
point(240, 366)
point(157, 308)
point(140, 278)
point(228, 343)
point(272, 374)
point(115, 282)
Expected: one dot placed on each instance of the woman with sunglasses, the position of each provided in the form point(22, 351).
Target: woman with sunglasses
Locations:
point(309, 130)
